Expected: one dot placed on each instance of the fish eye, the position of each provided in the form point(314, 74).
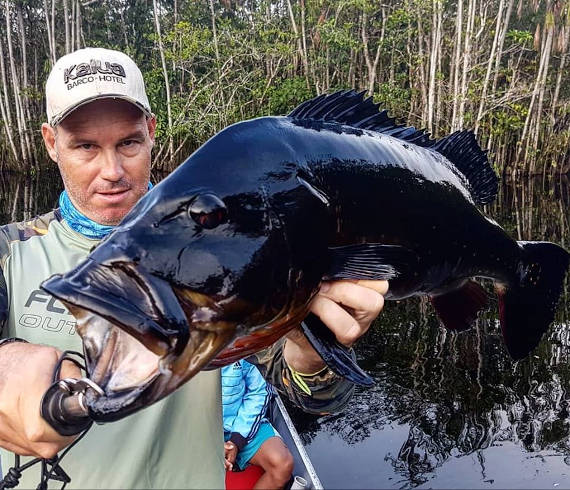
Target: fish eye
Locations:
point(208, 211)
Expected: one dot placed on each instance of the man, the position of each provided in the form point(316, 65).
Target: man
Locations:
point(100, 132)
point(249, 436)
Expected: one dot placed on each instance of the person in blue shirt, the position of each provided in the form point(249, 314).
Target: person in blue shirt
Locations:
point(249, 436)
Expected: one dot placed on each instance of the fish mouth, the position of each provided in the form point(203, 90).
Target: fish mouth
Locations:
point(137, 341)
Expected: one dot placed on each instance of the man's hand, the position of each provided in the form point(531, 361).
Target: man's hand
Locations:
point(230, 454)
point(348, 308)
point(26, 372)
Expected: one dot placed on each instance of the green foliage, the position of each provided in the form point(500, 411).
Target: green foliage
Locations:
point(524, 38)
point(284, 95)
point(393, 97)
point(508, 120)
point(339, 37)
point(258, 64)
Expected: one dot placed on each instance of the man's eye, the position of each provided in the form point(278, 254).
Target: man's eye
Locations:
point(128, 143)
point(86, 146)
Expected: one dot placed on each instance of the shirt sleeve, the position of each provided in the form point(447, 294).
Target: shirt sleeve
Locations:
point(4, 248)
point(319, 393)
point(253, 407)
point(3, 303)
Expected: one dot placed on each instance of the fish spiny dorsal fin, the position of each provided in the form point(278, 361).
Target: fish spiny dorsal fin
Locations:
point(351, 108)
point(460, 148)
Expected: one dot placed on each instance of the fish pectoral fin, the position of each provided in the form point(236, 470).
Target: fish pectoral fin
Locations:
point(372, 261)
point(458, 309)
point(337, 356)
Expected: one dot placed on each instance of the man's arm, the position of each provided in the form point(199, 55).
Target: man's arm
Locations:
point(348, 308)
point(252, 409)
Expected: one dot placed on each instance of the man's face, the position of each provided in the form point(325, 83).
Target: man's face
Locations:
point(103, 150)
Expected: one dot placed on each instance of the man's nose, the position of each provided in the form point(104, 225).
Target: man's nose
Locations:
point(112, 166)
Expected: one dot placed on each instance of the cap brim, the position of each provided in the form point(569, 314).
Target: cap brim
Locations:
point(55, 120)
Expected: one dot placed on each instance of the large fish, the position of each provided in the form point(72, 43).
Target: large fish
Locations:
point(224, 256)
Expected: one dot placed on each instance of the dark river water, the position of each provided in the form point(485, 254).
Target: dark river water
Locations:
point(447, 410)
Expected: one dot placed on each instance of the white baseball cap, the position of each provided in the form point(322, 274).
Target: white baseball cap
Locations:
point(90, 74)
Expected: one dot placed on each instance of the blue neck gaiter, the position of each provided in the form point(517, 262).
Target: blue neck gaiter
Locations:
point(81, 223)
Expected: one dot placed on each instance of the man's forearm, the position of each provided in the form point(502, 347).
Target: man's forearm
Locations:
point(300, 355)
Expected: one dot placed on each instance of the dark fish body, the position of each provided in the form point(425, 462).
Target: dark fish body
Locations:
point(223, 257)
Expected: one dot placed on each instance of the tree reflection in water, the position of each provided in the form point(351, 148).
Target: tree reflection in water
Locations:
point(459, 394)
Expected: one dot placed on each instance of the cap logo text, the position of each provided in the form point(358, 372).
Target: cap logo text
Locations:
point(92, 68)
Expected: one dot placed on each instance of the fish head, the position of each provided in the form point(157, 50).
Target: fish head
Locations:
point(209, 263)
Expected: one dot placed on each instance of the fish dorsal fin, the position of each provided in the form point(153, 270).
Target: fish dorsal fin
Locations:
point(460, 148)
point(351, 108)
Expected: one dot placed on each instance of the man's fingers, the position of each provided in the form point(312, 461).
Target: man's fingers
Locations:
point(346, 329)
point(378, 286)
point(70, 370)
point(355, 296)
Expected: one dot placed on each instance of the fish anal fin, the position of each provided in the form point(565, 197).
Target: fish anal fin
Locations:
point(336, 356)
point(370, 261)
point(458, 309)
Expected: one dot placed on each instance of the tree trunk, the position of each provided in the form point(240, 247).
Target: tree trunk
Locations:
point(525, 139)
point(20, 117)
point(466, 62)
point(421, 68)
point(26, 116)
point(433, 62)
point(565, 46)
point(456, 64)
point(67, 29)
point(489, 65)
point(51, 41)
point(5, 105)
point(302, 53)
point(371, 65)
point(165, 74)
point(501, 42)
point(546, 53)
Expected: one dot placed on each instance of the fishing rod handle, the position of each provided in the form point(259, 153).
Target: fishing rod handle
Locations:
point(63, 407)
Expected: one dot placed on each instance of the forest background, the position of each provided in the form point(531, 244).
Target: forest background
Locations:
point(499, 67)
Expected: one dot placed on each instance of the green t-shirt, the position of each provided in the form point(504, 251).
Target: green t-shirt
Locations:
point(175, 443)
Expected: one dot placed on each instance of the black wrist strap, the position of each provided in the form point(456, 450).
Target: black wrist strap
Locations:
point(10, 340)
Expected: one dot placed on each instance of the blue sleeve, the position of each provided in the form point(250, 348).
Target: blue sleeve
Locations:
point(253, 406)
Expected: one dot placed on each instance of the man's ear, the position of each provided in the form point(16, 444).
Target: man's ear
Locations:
point(151, 125)
point(48, 134)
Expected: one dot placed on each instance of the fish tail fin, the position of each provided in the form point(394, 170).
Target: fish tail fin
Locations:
point(527, 308)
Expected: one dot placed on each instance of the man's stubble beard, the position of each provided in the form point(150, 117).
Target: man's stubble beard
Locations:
point(80, 200)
